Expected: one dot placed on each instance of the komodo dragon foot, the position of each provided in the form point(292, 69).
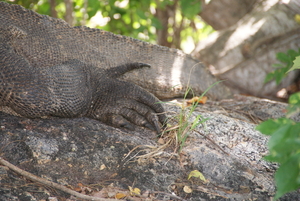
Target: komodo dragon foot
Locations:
point(124, 104)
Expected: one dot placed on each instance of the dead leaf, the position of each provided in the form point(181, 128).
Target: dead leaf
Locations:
point(113, 175)
point(187, 189)
point(120, 195)
point(77, 189)
point(134, 191)
point(197, 99)
point(102, 167)
point(161, 141)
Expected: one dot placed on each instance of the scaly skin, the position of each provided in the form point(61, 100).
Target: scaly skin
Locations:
point(44, 42)
point(74, 89)
point(46, 69)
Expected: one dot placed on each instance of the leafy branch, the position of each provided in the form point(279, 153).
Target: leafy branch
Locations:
point(281, 69)
point(284, 143)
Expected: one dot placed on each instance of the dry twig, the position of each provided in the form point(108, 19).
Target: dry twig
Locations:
point(49, 183)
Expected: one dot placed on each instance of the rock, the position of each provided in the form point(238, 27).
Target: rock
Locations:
point(228, 152)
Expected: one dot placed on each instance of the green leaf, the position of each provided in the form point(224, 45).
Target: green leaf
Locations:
point(280, 74)
point(92, 10)
point(278, 65)
point(197, 174)
point(287, 176)
point(164, 3)
point(279, 135)
point(284, 143)
point(270, 76)
point(156, 23)
point(272, 125)
point(283, 57)
point(282, 69)
point(295, 99)
point(198, 121)
point(296, 64)
point(294, 104)
point(190, 8)
point(141, 14)
point(292, 53)
point(43, 9)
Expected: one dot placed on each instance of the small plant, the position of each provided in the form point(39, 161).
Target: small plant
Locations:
point(284, 67)
point(284, 144)
point(184, 127)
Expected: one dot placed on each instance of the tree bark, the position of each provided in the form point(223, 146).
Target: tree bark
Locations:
point(69, 12)
point(167, 17)
point(243, 54)
point(162, 34)
point(222, 14)
point(84, 15)
point(53, 12)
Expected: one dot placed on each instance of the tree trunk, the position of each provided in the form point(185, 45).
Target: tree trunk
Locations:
point(84, 15)
point(170, 27)
point(69, 12)
point(53, 12)
point(243, 54)
point(225, 13)
point(162, 34)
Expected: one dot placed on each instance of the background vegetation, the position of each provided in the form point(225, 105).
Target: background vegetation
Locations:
point(284, 143)
point(172, 23)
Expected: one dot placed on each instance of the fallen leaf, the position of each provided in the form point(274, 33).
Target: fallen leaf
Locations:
point(197, 99)
point(197, 174)
point(134, 191)
point(120, 195)
point(297, 18)
point(113, 175)
point(161, 141)
point(187, 189)
point(102, 167)
point(77, 189)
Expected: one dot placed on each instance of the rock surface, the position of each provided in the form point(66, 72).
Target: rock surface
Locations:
point(243, 54)
point(85, 151)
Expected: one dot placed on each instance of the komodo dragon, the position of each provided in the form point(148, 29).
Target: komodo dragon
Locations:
point(51, 69)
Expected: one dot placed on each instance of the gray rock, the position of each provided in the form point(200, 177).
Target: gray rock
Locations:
point(227, 150)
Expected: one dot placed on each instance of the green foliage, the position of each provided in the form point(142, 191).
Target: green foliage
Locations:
point(26, 4)
point(284, 147)
point(284, 67)
point(296, 64)
point(294, 106)
point(190, 8)
point(284, 144)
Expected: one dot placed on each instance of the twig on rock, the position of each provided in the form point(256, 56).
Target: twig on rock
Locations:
point(49, 183)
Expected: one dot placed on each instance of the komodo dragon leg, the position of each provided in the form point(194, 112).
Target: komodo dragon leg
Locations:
point(74, 89)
